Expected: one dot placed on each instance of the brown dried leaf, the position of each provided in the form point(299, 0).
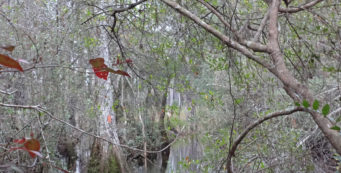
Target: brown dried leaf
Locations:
point(8, 48)
point(9, 62)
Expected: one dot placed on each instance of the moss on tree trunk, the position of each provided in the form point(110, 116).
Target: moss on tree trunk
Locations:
point(99, 164)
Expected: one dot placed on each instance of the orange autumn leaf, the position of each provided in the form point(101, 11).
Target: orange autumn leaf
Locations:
point(9, 62)
point(187, 158)
point(8, 48)
point(32, 145)
point(109, 118)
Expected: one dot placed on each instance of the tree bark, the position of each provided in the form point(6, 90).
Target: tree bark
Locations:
point(164, 138)
point(107, 129)
point(291, 83)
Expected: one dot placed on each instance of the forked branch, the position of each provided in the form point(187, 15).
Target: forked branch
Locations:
point(300, 8)
point(252, 126)
point(225, 39)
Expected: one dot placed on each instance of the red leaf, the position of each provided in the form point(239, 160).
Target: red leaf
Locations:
point(17, 148)
point(107, 69)
point(20, 141)
point(8, 48)
point(118, 62)
point(32, 145)
point(129, 61)
point(31, 152)
point(97, 62)
point(9, 62)
point(98, 67)
point(120, 72)
point(101, 72)
point(109, 118)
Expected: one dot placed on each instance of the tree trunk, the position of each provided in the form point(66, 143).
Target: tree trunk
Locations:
point(164, 138)
point(107, 129)
point(291, 85)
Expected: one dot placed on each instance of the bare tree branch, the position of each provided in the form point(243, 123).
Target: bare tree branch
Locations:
point(227, 40)
point(8, 93)
point(291, 84)
point(252, 126)
point(300, 8)
point(113, 11)
point(130, 6)
point(335, 111)
point(217, 13)
point(283, 74)
point(250, 44)
point(40, 109)
point(260, 121)
point(261, 27)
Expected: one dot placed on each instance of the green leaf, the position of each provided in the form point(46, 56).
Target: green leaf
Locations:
point(325, 110)
point(316, 105)
point(262, 165)
point(297, 104)
point(305, 103)
point(238, 101)
point(336, 128)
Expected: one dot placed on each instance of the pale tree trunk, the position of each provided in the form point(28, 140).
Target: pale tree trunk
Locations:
point(291, 85)
point(78, 148)
point(124, 112)
point(106, 99)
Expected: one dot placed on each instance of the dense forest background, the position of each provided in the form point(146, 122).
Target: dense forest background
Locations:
point(170, 86)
